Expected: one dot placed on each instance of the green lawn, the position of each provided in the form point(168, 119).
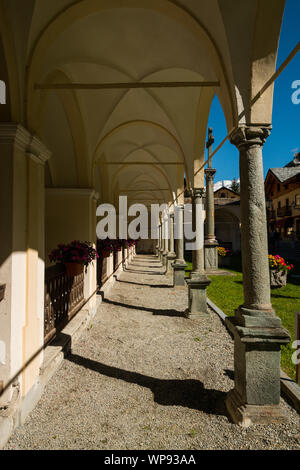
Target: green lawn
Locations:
point(227, 293)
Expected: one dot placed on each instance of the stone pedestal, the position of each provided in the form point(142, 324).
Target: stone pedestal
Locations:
point(161, 255)
point(257, 339)
point(197, 296)
point(170, 260)
point(164, 259)
point(211, 257)
point(179, 267)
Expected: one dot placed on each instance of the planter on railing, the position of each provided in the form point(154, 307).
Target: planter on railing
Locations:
point(73, 269)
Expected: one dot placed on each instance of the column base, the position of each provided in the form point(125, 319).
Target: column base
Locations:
point(197, 285)
point(245, 415)
point(211, 256)
point(160, 255)
point(164, 259)
point(170, 260)
point(258, 336)
point(179, 267)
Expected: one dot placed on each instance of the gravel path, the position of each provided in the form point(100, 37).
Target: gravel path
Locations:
point(144, 377)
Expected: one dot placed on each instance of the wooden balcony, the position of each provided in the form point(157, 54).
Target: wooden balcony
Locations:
point(271, 214)
point(284, 211)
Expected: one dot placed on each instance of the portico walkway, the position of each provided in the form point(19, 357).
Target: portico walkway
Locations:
point(144, 377)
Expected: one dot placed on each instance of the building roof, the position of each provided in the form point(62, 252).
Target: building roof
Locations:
point(227, 189)
point(290, 170)
point(224, 184)
point(286, 173)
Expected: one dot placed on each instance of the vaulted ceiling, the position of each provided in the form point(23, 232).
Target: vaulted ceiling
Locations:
point(141, 141)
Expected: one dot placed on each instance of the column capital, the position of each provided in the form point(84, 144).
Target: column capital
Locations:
point(15, 134)
point(248, 136)
point(197, 192)
point(209, 173)
point(178, 207)
point(37, 150)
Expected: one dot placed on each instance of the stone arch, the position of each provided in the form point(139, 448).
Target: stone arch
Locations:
point(227, 223)
point(75, 120)
point(11, 109)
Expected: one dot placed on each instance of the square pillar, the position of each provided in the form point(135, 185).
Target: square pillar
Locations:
point(22, 259)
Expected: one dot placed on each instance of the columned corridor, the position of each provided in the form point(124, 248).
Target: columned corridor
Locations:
point(143, 376)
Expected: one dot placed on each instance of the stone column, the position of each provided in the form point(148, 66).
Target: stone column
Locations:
point(157, 242)
point(161, 243)
point(165, 241)
point(179, 264)
point(210, 244)
point(198, 281)
point(171, 255)
point(257, 330)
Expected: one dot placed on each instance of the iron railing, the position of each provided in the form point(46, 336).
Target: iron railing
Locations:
point(64, 297)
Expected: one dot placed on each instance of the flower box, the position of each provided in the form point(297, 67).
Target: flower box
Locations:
point(73, 269)
point(75, 256)
point(279, 269)
point(277, 278)
point(223, 261)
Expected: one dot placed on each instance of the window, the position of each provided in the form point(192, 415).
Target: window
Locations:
point(287, 202)
point(223, 195)
point(279, 204)
point(297, 200)
point(278, 187)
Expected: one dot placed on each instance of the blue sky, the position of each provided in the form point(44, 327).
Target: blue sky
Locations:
point(285, 136)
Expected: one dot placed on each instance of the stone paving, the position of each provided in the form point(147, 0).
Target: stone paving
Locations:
point(143, 376)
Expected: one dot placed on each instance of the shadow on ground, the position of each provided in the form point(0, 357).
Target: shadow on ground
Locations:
point(154, 311)
point(188, 393)
point(160, 286)
point(138, 271)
